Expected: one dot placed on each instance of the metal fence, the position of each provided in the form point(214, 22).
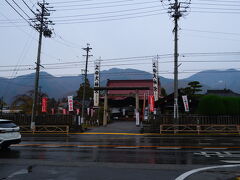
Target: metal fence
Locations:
point(24, 120)
point(187, 122)
point(196, 119)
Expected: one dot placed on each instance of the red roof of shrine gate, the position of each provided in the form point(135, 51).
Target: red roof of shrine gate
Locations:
point(130, 83)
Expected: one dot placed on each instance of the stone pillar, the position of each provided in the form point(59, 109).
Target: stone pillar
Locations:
point(105, 113)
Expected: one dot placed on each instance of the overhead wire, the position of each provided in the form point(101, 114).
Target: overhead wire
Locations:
point(107, 6)
point(28, 7)
point(18, 13)
point(21, 9)
point(133, 73)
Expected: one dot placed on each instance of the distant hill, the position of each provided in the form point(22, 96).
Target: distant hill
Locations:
point(58, 87)
point(217, 79)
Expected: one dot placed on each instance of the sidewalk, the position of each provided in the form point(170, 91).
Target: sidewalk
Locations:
point(117, 127)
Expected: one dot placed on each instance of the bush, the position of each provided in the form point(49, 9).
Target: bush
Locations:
point(232, 105)
point(211, 105)
point(217, 105)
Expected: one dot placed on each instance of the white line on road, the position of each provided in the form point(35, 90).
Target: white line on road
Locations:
point(174, 148)
point(205, 144)
point(189, 173)
point(229, 144)
point(214, 148)
point(123, 147)
point(86, 146)
point(231, 162)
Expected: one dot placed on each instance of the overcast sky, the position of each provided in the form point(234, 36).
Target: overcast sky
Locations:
point(121, 29)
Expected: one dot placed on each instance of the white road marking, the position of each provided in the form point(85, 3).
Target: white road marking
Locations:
point(227, 144)
point(204, 143)
point(189, 173)
point(231, 162)
point(50, 146)
point(86, 146)
point(123, 147)
point(214, 148)
point(20, 172)
point(219, 154)
point(203, 154)
point(174, 148)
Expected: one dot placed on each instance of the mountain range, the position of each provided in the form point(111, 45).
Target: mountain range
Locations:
point(58, 87)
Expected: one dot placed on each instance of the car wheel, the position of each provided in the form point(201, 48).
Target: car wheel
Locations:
point(5, 147)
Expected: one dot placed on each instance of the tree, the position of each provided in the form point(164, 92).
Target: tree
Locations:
point(195, 86)
point(192, 88)
point(88, 92)
point(163, 92)
point(24, 101)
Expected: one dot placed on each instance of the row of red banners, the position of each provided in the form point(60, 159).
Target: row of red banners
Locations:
point(70, 105)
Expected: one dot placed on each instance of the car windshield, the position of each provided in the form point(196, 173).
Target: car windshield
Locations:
point(7, 124)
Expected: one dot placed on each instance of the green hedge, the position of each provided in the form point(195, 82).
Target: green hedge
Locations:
point(218, 105)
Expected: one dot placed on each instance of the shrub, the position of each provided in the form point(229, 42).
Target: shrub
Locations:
point(211, 105)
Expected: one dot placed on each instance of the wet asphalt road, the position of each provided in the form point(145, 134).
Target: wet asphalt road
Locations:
point(110, 156)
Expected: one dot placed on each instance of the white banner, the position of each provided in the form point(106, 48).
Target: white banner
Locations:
point(155, 79)
point(70, 103)
point(96, 82)
point(137, 119)
point(185, 102)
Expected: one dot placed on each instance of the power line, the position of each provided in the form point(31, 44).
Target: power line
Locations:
point(28, 7)
point(221, 1)
point(103, 3)
point(133, 73)
point(107, 6)
point(79, 1)
point(18, 13)
point(142, 58)
point(213, 32)
point(113, 19)
point(21, 9)
point(108, 12)
point(105, 17)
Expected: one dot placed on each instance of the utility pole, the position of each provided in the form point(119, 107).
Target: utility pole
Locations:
point(177, 9)
point(41, 25)
point(176, 16)
point(87, 49)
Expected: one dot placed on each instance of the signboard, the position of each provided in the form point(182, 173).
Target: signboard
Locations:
point(151, 103)
point(155, 78)
point(185, 102)
point(70, 103)
point(44, 104)
point(96, 82)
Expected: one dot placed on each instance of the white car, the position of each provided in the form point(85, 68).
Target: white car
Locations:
point(9, 133)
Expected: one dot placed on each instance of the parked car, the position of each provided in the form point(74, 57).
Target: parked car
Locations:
point(9, 133)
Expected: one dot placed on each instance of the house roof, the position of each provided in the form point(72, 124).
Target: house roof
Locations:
point(223, 92)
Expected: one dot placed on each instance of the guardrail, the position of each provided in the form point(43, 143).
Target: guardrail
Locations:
point(200, 128)
point(62, 129)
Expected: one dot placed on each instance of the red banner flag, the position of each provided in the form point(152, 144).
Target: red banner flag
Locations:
point(64, 111)
point(70, 103)
point(44, 104)
point(52, 111)
point(151, 103)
